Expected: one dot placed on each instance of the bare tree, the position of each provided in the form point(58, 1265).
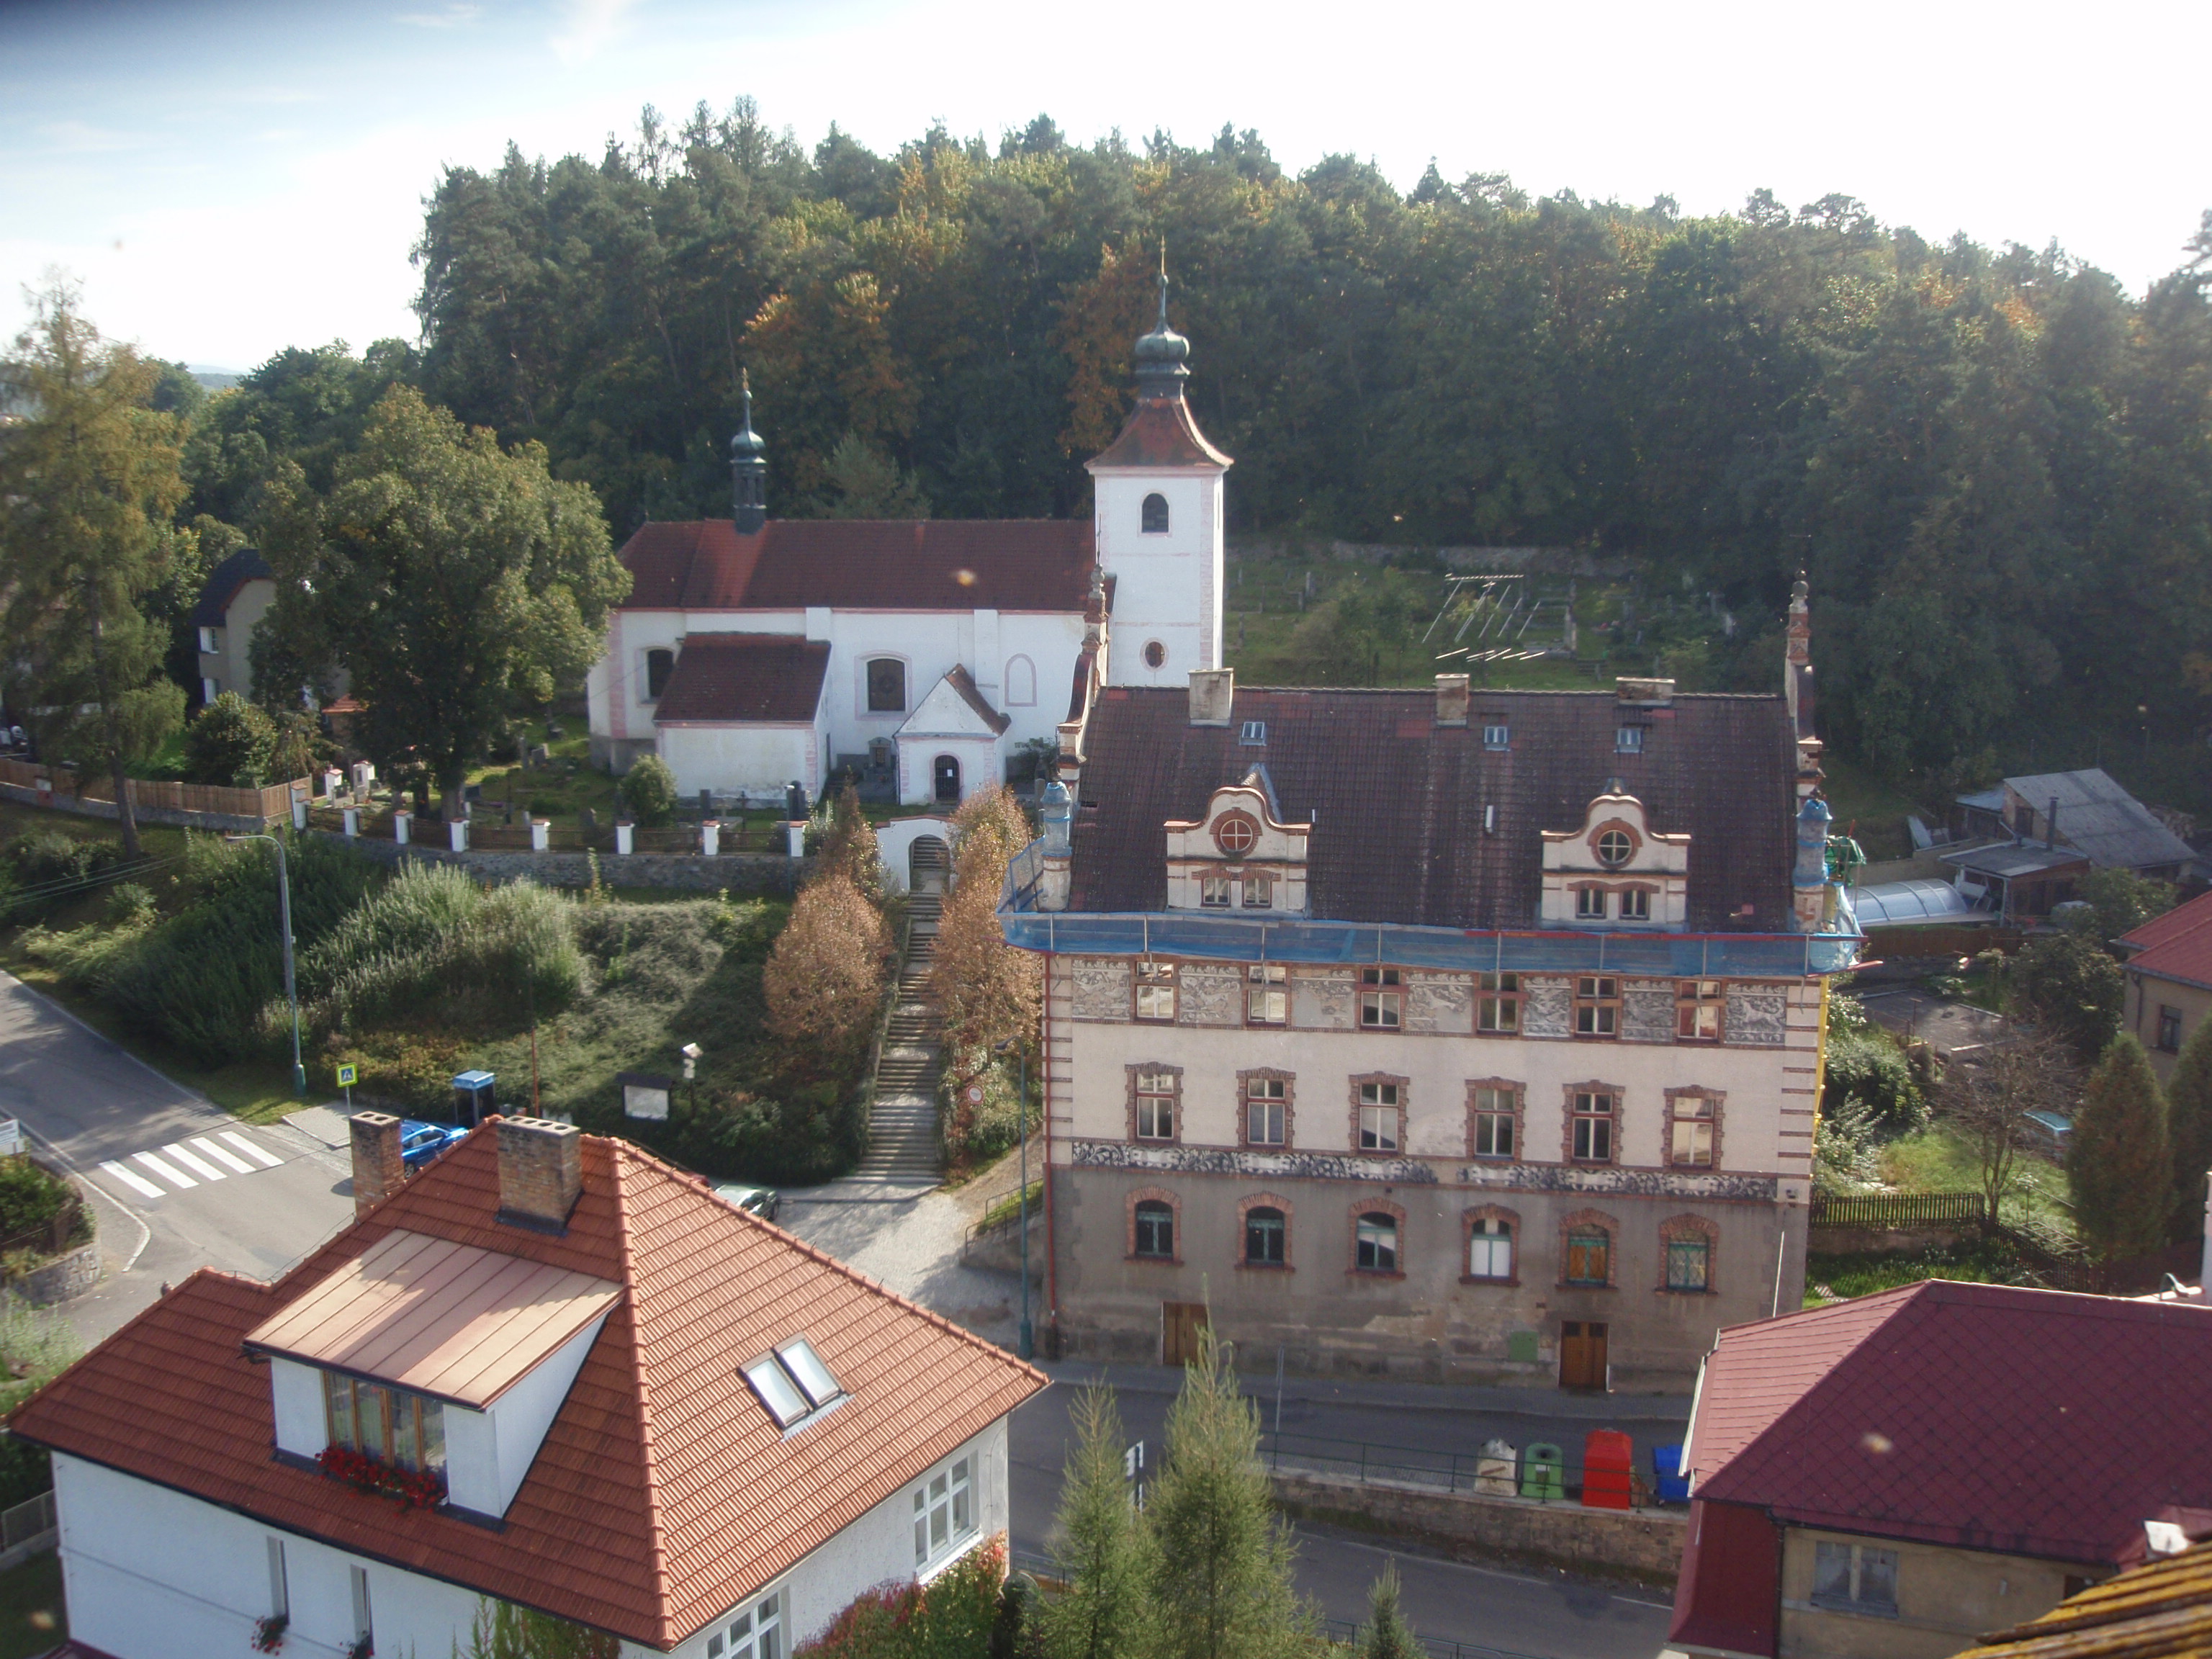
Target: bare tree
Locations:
point(1987, 1094)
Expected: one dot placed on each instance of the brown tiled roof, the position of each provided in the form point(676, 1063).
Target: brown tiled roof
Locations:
point(2028, 1422)
point(2176, 945)
point(2156, 1611)
point(964, 686)
point(744, 676)
point(1397, 801)
point(933, 564)
point(664, 1492)
point(1161, 431)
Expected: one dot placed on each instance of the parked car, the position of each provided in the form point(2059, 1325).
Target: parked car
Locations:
point(763, 1201)
point(422, 1143)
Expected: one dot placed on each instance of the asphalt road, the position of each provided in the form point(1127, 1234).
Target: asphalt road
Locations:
point(179, 1185)
point(1513, 1610)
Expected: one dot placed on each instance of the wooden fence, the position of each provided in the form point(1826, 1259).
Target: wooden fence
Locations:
point(1879, 1211)
point(275, 801)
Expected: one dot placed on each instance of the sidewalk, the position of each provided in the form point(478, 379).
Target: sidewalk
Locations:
point(1460, 1399)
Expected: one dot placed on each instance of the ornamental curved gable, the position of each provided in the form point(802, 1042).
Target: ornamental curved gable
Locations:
point(1240, 856)
point(1615, 870)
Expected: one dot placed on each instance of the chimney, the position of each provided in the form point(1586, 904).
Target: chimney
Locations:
point(1451, 699)
point(541, 1172)
point(2051, 826)
point(1661, 692)
point(1212, 691)
point(377, 1169)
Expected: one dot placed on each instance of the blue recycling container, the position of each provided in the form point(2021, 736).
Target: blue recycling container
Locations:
point(1667, 1481)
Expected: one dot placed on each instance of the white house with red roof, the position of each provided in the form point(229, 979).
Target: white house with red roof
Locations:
point(944, 645)
point(548, 1370)
point(2169, 976)
point(1885, 1478)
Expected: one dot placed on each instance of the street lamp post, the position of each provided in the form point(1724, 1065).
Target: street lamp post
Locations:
point(291, 988)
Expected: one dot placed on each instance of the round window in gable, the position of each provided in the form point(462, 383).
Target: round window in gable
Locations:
point(1234, 833)
point(1156, 655)
point(1616, 847)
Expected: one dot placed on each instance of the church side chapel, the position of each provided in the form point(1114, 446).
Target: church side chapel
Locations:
point(755, 652)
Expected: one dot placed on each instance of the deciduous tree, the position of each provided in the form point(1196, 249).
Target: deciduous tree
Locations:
point(1987, 1097)
point(824, 980)
point(230, 743)
point(88, 482)
point(2118, 1166)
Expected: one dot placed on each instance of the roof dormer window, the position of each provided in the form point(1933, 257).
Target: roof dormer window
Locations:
point(793, 1382)
point(1253, 734)
point(1628, 740)
point(395, 1426)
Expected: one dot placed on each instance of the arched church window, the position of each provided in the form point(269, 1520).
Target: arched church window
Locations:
point(1156, 514)
point(886, 685)
point(1021, 682)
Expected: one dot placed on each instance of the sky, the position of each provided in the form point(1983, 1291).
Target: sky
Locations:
point(225, 179)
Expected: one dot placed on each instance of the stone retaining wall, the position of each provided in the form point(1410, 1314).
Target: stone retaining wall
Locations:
point(64, 1277)
point(745, 875)
point(1643, 1545)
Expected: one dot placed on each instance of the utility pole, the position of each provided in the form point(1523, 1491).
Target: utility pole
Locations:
point(291, 990)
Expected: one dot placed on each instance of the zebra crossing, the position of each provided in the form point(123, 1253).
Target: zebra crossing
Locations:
point(197, 1161)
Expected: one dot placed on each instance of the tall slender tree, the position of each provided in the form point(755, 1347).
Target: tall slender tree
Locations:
point(2189, 1128)
point(2118, 1165)
point(1222, 1587)
point(1386, 1635)
point(88, 482)
point(1105, 1552)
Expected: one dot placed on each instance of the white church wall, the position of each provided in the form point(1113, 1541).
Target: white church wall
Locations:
point(1167, 587)
point(756, 759)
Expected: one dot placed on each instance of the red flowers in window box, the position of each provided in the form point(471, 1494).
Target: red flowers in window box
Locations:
point(414, 1489)
point(268, 1633)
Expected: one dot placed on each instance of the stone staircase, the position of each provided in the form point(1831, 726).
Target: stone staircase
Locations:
point(902, 1135)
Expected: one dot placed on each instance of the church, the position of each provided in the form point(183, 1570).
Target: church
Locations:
point(755, 652)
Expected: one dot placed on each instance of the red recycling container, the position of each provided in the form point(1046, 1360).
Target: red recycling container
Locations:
point(1608, 1456)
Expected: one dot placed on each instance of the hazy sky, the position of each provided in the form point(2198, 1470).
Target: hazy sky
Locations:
point(226, 179)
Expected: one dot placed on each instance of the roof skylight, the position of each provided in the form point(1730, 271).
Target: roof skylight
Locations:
point(793, 1382)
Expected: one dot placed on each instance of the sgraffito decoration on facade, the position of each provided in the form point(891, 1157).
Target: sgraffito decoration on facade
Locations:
point(1649, 1184)
point(1440, 1002)
point(1647, 1010)
point(1212, 995)
point(1321, 1000)
point(1102, 988)
point(1547, 1008)
point(1758, 1019)
point(1217, 1160)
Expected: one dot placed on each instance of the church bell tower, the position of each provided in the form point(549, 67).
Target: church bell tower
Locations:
point(1157, 496)
point(748, 465)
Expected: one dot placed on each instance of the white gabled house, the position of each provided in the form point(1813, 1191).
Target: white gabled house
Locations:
point(549, 1370)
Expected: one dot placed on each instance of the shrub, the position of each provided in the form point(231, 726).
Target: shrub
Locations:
point(130, 905)
point(850, 848)
point(1844, 1156)
point(63, 864)
point(35, 1346)
point(1868, 1067)
point(30, 1198)
point(230, 743)
point(951, 1617)
point(2072, 985)
point(648, 790)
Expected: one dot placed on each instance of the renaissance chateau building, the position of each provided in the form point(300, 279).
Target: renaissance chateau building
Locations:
point(1449, 1031)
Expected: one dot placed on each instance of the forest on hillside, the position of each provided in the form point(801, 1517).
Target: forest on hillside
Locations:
point(1994, 465)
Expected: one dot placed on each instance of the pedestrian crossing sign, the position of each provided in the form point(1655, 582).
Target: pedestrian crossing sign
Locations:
point(348, 1076)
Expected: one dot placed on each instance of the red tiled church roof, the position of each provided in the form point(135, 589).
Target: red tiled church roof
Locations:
point(2176, 945)
point(1398, 802)
point(933, 564)
point(2029, 1422)
point(663, 1493)
point(1160, 432)
point(744, 676)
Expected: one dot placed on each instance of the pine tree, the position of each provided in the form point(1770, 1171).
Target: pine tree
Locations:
point(2189, 1128)
point(1386, 1635)
point(1105, 1551)
point(1222, 1586)
point(2118, 1166)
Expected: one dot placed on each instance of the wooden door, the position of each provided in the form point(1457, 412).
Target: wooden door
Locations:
point(1581, 1354)
point(1180, 1324)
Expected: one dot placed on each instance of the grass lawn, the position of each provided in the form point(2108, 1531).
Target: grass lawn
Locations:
point(32, 1620)
point(1978, 1260)
point(1938, 1160)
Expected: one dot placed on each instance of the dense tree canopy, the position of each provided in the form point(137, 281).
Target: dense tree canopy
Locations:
point(1997, 466)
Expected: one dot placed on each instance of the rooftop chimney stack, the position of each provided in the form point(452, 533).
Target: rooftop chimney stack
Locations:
point(1452, 695)
point(541, 1172)
point(1212, 693)
point(378, 1170)
point(1653, 692)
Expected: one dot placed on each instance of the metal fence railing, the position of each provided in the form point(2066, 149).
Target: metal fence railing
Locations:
point(26, 1520)
point(1531, 1471)
point(1878, 1211)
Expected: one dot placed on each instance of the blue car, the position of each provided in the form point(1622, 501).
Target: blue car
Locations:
point(421, 1143)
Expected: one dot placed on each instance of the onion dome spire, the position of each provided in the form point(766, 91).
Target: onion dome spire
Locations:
point(1164, 356)
point(748, 465)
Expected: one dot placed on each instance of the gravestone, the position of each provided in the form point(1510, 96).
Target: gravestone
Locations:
point(589, 821)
